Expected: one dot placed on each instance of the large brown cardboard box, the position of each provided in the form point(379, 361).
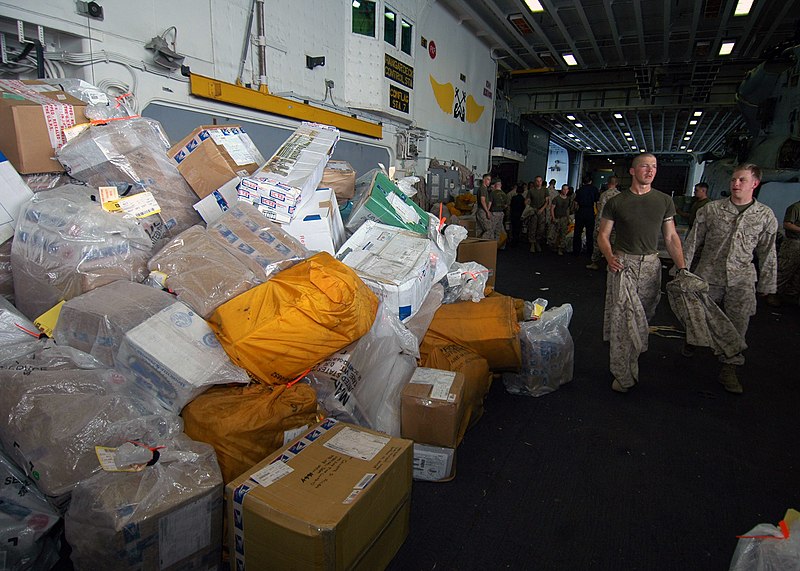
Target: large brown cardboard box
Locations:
point(211, 155)
point(341, 177)
point(338, 497)
point(482, 251)
point(33, 117)
point(433, 408)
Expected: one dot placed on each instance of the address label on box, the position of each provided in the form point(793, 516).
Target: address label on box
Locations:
point(357, 444)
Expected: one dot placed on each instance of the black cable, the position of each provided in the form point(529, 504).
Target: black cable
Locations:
point(39, 59)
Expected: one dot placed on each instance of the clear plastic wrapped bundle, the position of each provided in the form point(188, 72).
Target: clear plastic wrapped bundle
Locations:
point(14, 327)
point(362, 383)
point(51, 421)
point(65, 244)
point(167, 515)
point(6, 279)
point(28, 532)
point(548, 354)
point(131, 155)
point(99, 105)
point(96, 321)
point(207, 267)
point(465, 282)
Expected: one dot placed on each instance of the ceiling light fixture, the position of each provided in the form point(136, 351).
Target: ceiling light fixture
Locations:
point(683, 147)
point(726, 48)
point(617, 115)
point(688, 150)
point(599, 151)
point(356, 4)
point(693, 122)
point(743, 7)
point(571, 117)
point(579, 125)
point(697, 113)
point(534, 5)
point(570, 59)
point(689, 133)
point(686, 138)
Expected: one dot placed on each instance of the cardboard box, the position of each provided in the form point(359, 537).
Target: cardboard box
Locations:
point(380, 200)
point(292, 174)
point(174, 356)
point(318, 223)
point(433, 408)
point(434, 463)
point(482, 251)
point(341, 177)
point(396, 264)
point(336, 498)
point(211, 155)
point(34, 117)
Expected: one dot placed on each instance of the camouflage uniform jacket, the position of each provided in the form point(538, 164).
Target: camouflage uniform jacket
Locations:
point(605, 197)
point(728, 239)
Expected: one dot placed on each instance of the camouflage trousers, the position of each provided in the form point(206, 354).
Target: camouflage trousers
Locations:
point(632, 296)
point(561, 226)
point(536, 227)
point(739, 304)
point(489, 227)
point(789, 268)
point(597, 255)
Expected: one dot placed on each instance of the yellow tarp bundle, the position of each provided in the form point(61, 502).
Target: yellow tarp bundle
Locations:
point(489, 328)
point(477, 378)
point(245, 424)
point(281, 328)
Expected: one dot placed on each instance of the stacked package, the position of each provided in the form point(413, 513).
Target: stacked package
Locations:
point(130, 154)
point(379, 199)
point(206, 267)
point(28, 530)
point(65, 244)
point(292, 174)
point(165, 515)
point(211, 155)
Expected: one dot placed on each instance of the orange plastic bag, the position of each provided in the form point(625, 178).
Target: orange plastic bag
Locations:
point(245, 424)
point(283, 327)
point(489, 328)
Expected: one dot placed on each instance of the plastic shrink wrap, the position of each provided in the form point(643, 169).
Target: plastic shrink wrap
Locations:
point(173, 356)
point(96, 321)
point(6, 279)
point(166, 516)
point(29, 537)
point(547, 354)
point(246, 424)
point(465, 282)
point(207, 267)
point(65, 245)
point(52, 416)
point(131, 155)
point(362, 383)
point(15, 327)
point(283, 327)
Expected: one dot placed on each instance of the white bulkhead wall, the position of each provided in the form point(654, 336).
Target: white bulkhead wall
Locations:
point(449, 114)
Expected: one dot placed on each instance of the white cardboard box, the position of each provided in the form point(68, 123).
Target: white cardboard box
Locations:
point(318, 223)
point(292, 173)
point(174, 356)
point(398, 265)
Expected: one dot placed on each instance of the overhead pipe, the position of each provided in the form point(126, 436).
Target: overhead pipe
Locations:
point(261, 43)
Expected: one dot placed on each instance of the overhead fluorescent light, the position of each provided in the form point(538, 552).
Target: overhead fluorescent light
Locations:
point(641, 150)
point(743, 7)
point(599, 151)
point(617, 115)
point(689, 133)
point(588, 148)
point(633, 148)
point(697, 113)
point(534, 5)
point(693, 122)
point(629, 138)
point(627, 133)
point(389, 15)
point(683, 147)
point(571, 117)
point(570, 59)
point(571, 135)
point(356, 4)
point(686, 138)
point(688, 150)
point(726, 48)
point(579, 124)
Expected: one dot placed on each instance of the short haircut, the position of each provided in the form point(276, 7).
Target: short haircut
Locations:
point(613, 178)
point(755, 170)
point(703, 185)
point(640, 156)
point(487, 174)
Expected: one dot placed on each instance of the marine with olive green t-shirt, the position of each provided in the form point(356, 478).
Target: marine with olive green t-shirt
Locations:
point(638, 219)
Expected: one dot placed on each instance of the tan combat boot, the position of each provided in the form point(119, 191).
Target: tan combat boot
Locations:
point(729, 380)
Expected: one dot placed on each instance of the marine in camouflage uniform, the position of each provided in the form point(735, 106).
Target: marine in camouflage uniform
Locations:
point(788, 283)
point(633, 283)
point(537, 198)
point(605, 196)
point(730, 231)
